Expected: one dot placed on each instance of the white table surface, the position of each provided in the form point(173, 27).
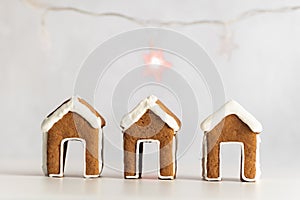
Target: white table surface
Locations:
point(28, 182)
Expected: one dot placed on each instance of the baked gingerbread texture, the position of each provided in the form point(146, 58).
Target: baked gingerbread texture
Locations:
point(73, 120)
point(231, 123)
point(150, 121)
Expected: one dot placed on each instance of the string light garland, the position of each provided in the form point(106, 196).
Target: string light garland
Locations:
point(227, 41)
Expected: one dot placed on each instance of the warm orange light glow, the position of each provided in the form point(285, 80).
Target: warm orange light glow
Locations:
point(156, 63)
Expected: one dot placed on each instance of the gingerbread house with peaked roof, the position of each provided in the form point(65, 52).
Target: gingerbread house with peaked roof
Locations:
point(73, 120)
point(231, 124)
point(150, 121)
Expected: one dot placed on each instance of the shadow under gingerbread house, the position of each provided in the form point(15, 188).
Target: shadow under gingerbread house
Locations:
point(74, 120)
point(150, 121)
point(231, 124)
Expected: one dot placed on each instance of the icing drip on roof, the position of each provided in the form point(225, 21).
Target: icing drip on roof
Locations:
point(73, 105)
point(231, 107)
point(150, 103)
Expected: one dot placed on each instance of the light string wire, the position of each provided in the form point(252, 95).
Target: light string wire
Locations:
point(144, 22)
point(227, 38)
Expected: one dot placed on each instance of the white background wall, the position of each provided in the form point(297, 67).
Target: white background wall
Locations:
point(37, 71)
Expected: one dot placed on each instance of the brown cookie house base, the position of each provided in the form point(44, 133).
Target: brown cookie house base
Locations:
point(237, 126)
point(228, 129)
point(149, 126)
point(143, 131)
point(72, 127)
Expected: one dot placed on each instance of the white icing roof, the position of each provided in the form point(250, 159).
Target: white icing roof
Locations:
point(73, 105)
point(231, 107)
point(151, 104)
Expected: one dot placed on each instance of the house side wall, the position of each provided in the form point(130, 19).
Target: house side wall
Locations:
point(149, 127)
point(72, 125)
point(230, 129)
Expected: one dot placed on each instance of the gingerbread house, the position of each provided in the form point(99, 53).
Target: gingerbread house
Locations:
point(74, 120)
point(150, 121)
point(231, 124)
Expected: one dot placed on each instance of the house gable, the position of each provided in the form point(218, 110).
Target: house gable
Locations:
point(231, 108)
point(151, 103)
point(76, 105)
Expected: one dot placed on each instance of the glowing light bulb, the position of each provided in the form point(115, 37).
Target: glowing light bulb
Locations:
point(155, 64)
point(155, 61)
